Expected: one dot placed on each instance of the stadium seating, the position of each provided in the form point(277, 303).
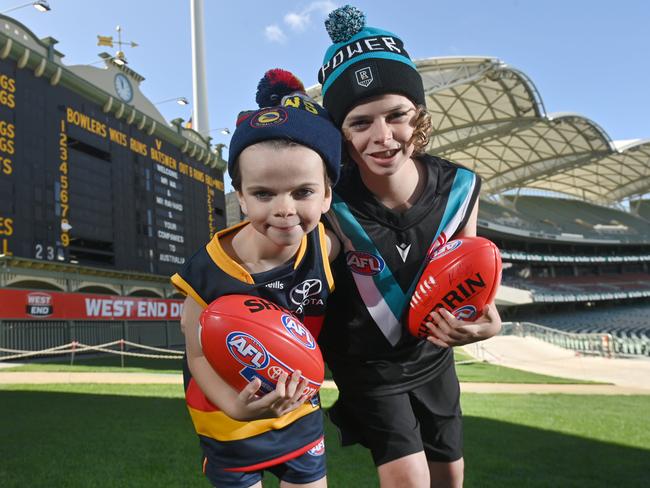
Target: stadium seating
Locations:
point(581, 218)
point(629, 325)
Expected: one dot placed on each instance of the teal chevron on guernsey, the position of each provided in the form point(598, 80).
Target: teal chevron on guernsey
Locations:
point(380, 292)
point(460, 197)
point(361, 241)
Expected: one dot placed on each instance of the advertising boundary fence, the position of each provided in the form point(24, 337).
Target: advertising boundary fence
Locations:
point(40, 335)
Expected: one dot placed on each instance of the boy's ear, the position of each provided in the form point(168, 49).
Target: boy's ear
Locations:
point(242, 202)
point(327, 201)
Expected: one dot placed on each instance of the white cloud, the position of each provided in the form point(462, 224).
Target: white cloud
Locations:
point(298, 21)
point(323, 7)
point(274, 33)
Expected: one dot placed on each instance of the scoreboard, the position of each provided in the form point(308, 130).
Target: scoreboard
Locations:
point(81, 186)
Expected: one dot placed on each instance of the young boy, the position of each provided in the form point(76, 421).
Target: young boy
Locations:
point(398, 396)
point(283, 160)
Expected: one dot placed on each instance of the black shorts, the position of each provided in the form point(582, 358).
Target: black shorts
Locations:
point(426, 418)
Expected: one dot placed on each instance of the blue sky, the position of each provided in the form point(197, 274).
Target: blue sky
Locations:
point(588, 57)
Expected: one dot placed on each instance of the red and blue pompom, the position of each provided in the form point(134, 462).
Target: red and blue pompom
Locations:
point(276, 84)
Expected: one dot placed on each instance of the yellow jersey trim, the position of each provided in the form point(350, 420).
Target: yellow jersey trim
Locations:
point(185, 288)
point(325, 254)
point(225, 262)
point(219, 426)
point(301, 252)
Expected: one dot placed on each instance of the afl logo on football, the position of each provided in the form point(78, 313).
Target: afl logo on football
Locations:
point(466, 312)
point(446, 249)
point(270, 117)
point(298, 331)
point(247, 350)
point(364, 263)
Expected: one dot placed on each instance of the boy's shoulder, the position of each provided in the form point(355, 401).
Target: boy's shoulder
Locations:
point(442, 162)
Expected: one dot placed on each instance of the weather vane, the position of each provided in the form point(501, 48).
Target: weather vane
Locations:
point(110, 42)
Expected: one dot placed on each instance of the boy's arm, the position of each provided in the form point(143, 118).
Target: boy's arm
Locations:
point(245, 405)
point(333, 245)
point(470, 227)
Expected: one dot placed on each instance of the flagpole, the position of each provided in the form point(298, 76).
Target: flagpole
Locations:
point(199, 78)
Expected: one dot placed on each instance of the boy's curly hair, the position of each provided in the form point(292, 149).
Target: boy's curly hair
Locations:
point(422, 124)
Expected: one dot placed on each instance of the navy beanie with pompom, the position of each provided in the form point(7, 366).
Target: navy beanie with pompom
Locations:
point(286, 112)
point(364, 62)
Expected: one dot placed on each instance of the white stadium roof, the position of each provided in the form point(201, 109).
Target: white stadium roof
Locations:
point(490, 118)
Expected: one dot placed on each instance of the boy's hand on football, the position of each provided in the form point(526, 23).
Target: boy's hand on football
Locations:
point(288, 395)
point(445, 330)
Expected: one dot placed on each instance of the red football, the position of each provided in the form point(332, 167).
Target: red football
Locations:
point(462, 276)
point(245, 337)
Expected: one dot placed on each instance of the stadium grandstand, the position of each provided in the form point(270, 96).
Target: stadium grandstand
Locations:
point(567, 206)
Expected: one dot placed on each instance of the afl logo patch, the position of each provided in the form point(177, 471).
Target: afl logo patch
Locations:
point(247, 350)
point(268, 118)
point(467, 312)
point(298, 331)
point(446, 249)
point(318, 449)
point(364, 263)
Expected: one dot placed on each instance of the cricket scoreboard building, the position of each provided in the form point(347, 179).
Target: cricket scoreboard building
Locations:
point(95, 184)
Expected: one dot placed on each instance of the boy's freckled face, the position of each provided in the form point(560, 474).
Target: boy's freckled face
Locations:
point(378, 134)
point(283, 191)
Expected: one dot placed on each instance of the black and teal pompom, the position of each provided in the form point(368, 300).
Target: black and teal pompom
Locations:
point(276, 84)
point(344, 22)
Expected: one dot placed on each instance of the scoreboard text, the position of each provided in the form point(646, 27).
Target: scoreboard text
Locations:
point(78, 185)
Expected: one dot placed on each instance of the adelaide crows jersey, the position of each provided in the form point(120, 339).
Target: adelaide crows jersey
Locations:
point(364, 340)
point(301, 286)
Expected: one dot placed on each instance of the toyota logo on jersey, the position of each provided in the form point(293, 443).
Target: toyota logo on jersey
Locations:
point(306, 289)
point(445, 249)
point(364, 263)
point(247, 350)
point(298, 331)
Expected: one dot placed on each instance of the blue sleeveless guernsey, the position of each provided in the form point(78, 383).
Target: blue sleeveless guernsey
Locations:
point(302, 286)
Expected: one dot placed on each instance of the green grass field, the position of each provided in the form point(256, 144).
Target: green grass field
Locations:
point(141, 436)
